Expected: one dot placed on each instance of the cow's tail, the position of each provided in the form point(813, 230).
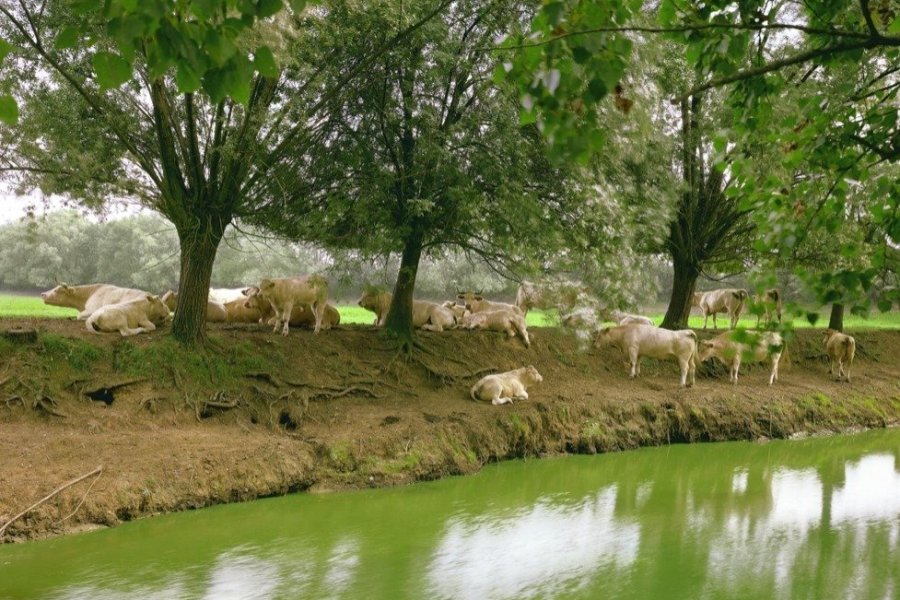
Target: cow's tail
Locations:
point(89, 323)
point(472, 392)
point(785, 354)
point(849, 348)
point(695, 355)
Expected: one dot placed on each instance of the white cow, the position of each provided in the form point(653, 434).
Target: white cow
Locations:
point(284, 293)
point(768, 345)
point(637, 340)
point(510, 321)
point(841, 349)
point(503, 388)
point(88, 298)
point(624, 318)
point(428, 316)
point(475, 303)
point(215, 311)
point(730, 301)
point(130, 317)
point(226, 295)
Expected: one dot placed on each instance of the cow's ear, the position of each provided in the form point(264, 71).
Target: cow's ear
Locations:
point(479, 298)
point(707, 343)
point(63, 286)
point(151, 297)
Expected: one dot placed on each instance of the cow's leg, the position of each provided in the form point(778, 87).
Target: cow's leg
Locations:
point(693, 371)
point(83, 315)
point(147, 325)
point(715, 323)
point(685, 364)
point(633, 357)
point(319, 308)
point(736, 365)
point(705, 319)
point(286, 318)
point(125, 331)
point(774, 376)
point(523, 332)
point(848, 370)
point(499, 400)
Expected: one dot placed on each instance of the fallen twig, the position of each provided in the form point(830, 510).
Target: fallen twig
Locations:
point(83, 498)
point(48, 497)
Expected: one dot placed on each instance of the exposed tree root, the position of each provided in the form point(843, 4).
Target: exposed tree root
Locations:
point(61, 488)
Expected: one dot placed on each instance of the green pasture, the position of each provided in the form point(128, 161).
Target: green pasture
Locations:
point(32, 306)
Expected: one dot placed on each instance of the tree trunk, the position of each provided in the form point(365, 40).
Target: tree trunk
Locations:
point(685, 280)
point(836, 321)
point(198, 253)
point(399, 318)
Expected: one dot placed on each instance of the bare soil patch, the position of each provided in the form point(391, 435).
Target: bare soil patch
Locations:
point(261, 414)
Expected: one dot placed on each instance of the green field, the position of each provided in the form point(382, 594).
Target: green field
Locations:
point(32, 306)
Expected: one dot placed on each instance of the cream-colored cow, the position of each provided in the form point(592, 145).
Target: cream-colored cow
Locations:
point(130, 317)
point(88, 298)
point(503, 388)
point(768, 345)
point(428, 316)
point(215, 311)
point(510, 321)
point(285, 293)
point(637, 340)
point(841, 349)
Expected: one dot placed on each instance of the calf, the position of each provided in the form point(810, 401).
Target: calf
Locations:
point(130, 317)
point(510, 321)
point(283, 294)
point(88, 298)
point(503, 388)
point(475, 303)
point(215, 311)
point(730, 353)
point(425, 315)
point(637, 340)
point(841, 349)
point(730, 301)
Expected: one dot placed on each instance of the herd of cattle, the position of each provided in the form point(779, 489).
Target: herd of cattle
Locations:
point(303, 302)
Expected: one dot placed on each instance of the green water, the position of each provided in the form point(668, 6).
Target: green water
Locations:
point(806, 519)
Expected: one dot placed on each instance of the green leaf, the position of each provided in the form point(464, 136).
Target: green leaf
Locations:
point(885, 305)
point(895, 26)
point(67, 38)
point(5, 49)
point(9, 110)
point(812, 317)
point(597, 89)
point(297, 5)
point(219, 48)
point(581, 55)
point(187, 79)
point(112, 70)
point(267, 8)
point(83, 7)
point(264, 61)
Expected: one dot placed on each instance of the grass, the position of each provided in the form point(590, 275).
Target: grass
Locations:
point(32, 306)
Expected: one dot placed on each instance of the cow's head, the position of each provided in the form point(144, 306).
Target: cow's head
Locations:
point(59, 292)
point(469, 298)
point(170, 299)
point(706, 349)
point(252, 294)
point(157, 311)
point(826, 335)
point(533, 374)
point(602, 338)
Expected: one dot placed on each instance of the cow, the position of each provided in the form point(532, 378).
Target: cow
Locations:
point(88, 298)
point(770, 301)
point(302, 315)
point(475, 303)
point(215, 311)
point(226, 295)
point(841, 349)
point(284, 293)
point(129, 317)
point(510, 321)
point(624, 318)
point(428, 316)
point(730, 301)
point(503, 388)
point(237, 311)
point(458, 311)
point(730, 353)
point(527, 297)
point(637, 340)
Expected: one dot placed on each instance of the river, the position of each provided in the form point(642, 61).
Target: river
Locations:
point(817, 518)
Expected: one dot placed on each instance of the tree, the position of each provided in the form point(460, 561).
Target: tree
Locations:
point(196, 158)
point(577, 52)
point(424, 152)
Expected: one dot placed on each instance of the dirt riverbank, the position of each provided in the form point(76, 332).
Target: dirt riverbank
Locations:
point(262, 415)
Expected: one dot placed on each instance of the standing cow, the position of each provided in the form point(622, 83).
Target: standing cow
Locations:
point(286, 292)
point(767, 345)
point(730, 301)
point(771, 304)
point(637, 340)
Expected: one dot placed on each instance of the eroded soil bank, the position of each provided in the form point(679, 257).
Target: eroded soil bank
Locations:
point(261, 415)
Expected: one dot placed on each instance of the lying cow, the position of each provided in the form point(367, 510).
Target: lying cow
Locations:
point(730, 353)
point(237, 311)
point(226, 295)
point(475, 303)
point(302, 315)
point(770, 301)
point(503, 388)
point(637, 340)
point(562, 294)
point(428, 316)
point(88, 298)
point(458, 311)
point(580, 318)
point(624, 318)
point(129, 317)
point(215, 311)
point(841, 349)
point(510, 321)
point(730, 301)
point(283, 294)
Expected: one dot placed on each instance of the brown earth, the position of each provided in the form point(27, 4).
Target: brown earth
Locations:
point(261, 414)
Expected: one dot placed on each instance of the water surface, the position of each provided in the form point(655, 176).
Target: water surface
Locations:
point(805, 519)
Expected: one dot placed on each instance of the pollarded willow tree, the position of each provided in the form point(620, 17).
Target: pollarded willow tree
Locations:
point(180, 106)
point(424, 151)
